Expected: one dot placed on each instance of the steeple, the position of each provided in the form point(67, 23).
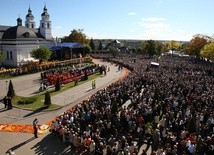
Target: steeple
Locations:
point(45, 24)
point(29, 19)
point(19, 21)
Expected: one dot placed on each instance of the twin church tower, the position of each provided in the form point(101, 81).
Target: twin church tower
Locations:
point(45, 23)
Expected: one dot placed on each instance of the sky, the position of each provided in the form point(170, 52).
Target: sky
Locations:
point(118, 19)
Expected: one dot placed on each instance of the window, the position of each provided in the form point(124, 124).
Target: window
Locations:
point(27, 25)
point(48, 25)
point(11, 55)
point(42, 25)
point(8, 55)
point(32, 26)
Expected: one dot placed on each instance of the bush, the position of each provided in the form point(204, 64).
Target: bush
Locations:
point(28, 100)
point(47, 99)
point(11, 92)
point(57, 85)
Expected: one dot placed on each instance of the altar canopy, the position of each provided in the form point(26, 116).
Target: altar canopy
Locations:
point(68, 45)
point(67, 50)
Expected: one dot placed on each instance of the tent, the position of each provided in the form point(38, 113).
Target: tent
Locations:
point(67, 50)
point(66, 44)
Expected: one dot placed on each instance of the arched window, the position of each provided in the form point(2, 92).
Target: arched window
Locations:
point(32, 26)
point(48, 25)
point(42, 25)
point(26, 25)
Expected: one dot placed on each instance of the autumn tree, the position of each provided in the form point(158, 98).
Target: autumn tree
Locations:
point(92, 45)
point(173, 46)
point(195, 45)
point(76, 36)
point(208, 51)
point(41, 54)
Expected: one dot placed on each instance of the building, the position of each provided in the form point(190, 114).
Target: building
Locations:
point(18, 41)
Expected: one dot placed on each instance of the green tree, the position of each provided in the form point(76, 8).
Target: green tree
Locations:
point(77, 36)
point(47, 99)
point(208, 51)
point(92, 45)
point(11, 92)
point(113, 51)
point(149, 47)
point(1, 56)
point(100, 47)
point(57, 85)
point(41, 54)
point(195, 45)
point(87, 49)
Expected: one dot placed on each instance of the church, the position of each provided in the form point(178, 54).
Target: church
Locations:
point(17, 42)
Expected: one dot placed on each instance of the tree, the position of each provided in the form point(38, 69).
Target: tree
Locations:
point(87, 49)
point(100, 47)
point(47, 99)
point(174, 46)
point(149, 47)
point(1, 56)
point(57, 85)
point(113, 51)
point(92, 45)
point(41, 54)
point(76, 36)
point(208, 51)
point(11, 92)
point(195, 46)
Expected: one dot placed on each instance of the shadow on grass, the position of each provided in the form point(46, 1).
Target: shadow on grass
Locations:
point(36, 111)
point(51, 145)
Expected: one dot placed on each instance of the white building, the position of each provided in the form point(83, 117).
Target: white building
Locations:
point(18, 41)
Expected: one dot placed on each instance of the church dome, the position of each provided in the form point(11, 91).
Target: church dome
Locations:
point(17, 32)
point(45, 13)
point(29, 13)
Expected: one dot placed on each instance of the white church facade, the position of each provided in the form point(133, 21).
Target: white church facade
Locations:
point(18, 41)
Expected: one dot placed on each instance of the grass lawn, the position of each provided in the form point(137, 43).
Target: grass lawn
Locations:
point(36, 102)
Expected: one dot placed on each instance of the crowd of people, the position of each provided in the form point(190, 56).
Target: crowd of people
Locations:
point(171, 110)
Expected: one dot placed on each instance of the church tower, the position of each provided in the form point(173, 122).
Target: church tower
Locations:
point(45, 25)
point(29, 20)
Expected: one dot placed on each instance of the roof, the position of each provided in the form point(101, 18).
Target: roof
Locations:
point(68, 45)
point(115, 42)
point(3, 29)
point(18, 32)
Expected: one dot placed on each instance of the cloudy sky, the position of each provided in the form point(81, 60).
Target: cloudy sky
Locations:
point(119, 19)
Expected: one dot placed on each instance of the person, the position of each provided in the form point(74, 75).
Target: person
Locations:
point(5, 101)
point(93, 84)
point(35, 123)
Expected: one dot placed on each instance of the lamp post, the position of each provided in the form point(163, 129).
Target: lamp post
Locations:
point(6, 87)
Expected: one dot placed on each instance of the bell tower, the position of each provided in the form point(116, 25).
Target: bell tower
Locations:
point(45, 25)
point(29, 20)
